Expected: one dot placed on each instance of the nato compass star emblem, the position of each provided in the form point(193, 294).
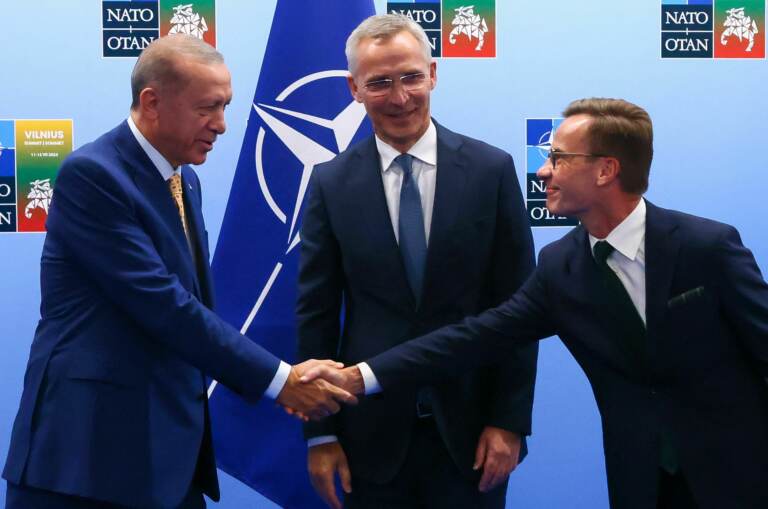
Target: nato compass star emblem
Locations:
point(307, 151)
point(545, 143)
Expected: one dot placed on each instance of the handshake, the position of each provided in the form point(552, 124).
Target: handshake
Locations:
point(316, 389)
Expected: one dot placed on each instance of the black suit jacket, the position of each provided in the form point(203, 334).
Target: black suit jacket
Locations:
point(480, 251)
point(701, 378)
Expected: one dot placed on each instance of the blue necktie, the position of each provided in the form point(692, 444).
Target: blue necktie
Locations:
point(413, 240)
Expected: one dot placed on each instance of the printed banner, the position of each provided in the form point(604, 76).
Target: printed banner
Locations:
point(455, 28)
point(538, 135)
point(31, 152)
point(713, 29)
point(129, 26)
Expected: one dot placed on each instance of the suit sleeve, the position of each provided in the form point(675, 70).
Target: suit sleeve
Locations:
point(95, 219)
point(512, 263)
point(320, 290)
point(479, 340)
point(744, 297)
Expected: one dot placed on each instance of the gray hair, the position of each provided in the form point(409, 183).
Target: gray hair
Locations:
point(384, 26)
point(157, 63)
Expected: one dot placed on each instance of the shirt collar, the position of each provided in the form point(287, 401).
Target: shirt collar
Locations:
point(424, 150)
point(628, 236)
point(160, 162)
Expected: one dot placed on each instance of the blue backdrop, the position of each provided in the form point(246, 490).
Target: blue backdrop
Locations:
point(710, 160)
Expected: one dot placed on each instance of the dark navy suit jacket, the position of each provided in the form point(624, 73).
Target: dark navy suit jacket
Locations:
point(701, 378)
point(114, 406)
point(480, 251)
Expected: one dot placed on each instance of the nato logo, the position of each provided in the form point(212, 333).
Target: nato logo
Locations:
point(454, 28)
point(712, 29)
point(538, 142)
point(128, 26)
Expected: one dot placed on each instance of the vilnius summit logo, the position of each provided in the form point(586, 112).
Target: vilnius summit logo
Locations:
point(713, 29)
point(455, 28)
point(128, 26)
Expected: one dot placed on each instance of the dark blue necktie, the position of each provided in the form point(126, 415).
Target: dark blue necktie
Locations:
point(413, 240)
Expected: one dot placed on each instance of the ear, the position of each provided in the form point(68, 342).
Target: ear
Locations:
point(354, 89)
point(433, 75)
point(608, 171)
point(149, 101)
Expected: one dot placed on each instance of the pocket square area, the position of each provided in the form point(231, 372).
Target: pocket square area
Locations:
point(684, 297)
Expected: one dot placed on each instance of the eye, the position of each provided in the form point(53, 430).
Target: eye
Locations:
point(378, 85)
point(413, 79)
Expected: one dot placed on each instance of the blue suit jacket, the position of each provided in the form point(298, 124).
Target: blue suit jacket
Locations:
point(114, 405)
point(701, 378)
point(480, 251)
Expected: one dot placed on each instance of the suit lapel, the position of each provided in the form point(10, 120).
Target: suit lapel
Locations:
point(583, 276)
point(661, 248)
point(194, 213)
point(367, 196)
point(153, 188)
point(449, 189)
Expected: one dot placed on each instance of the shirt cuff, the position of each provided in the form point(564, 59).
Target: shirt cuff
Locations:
point(278, 381)
point(370, 383)
point(323, 439)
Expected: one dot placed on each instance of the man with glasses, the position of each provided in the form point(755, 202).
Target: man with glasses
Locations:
point(405, 232)
point(667, 314)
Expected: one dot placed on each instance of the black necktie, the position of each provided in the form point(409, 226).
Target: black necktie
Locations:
point(624, 311)
point(633, 335)
point(412, 239)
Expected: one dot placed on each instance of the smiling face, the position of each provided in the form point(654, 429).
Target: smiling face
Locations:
point(399, 117)
point(572, 188)
point(189, 117)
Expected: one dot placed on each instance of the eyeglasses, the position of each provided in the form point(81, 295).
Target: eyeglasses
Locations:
point(555, 155)
point(409, 82)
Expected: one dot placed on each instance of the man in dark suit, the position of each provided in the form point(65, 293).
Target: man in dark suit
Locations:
point(667, 314)
point(405, 232)
point(114, 410)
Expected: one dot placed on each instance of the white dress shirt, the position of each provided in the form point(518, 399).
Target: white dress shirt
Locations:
point(627, 259)
point(166, 171)
point(424, 166)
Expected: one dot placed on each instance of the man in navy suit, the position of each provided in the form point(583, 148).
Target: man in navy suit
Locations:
point(667, 314)
point(114, 410)
point(399, 252)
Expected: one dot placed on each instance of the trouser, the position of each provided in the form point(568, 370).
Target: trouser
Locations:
point(25, 497)
point(428, 479)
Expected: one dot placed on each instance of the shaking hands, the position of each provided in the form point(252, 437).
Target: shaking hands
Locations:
point(317, 388)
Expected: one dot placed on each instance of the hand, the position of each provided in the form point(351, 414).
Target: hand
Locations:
point(300, 370)
point(313, 400)
point(498, 451)
point(322, 462)
point(311, 363)
point(349, 379)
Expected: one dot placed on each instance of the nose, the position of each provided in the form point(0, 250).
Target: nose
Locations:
point(218, 124)
point(545, 171)
point(398, 95)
